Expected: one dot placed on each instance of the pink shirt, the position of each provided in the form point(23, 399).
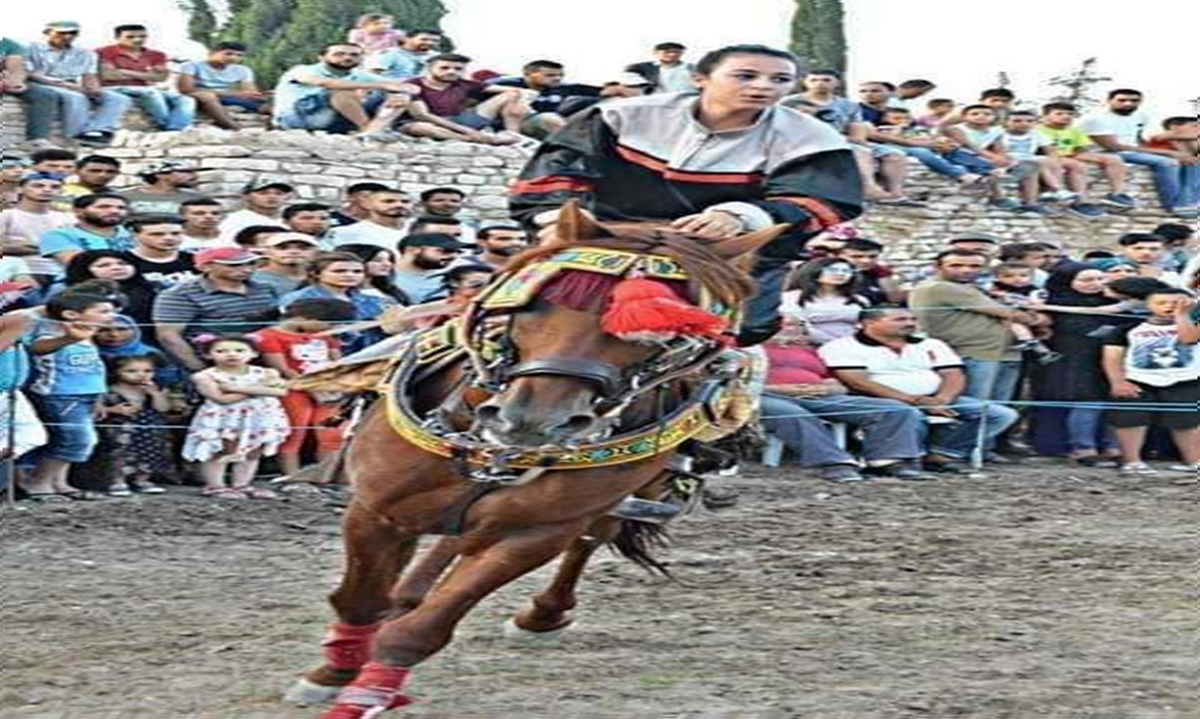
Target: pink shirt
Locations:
point(375, 42)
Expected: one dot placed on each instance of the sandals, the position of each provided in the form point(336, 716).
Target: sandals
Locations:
point(222, 493)
point(257, 493)
point(84, 495)
point(45, 498)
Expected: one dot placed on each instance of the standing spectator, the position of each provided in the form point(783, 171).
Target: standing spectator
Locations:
point(93, 173)
point(91, 114)
point(241, 421)
point(342, 276)
point(12, 168)
point(134, 446)
point(20, 429)
point(287, 255)
point(254, 237)
point(380, 265)
point(442, 202)
point(375, 32)
point(168, 184)
point(334, 96)
point(40, 103)
point(202, 218)
point(444, 225)
point(312, 219)
point(388, 215)
point(449, 107)
point(408, 60)
point(114, 266)
point(263, 201)
point(1119, 128)
point(134, 70)
point(873, 99)
point(1154, 363)
point(354, 206)
point(224, 299)
point(1178, 239)
point(667, 72)
point(1147, 251)
point(424, 257)
point(879, 283)
point(22, 227)
point(885, 360)
point(69, 379)
point(55, 161)
point(222, 81)
point(1078, 151)
point(293, 347)
point(825, 297)
point(499, 242)
point(98, 226)
point(156, 255)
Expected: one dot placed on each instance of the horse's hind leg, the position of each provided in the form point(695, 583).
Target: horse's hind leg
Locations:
point(375, 555)
point(550, 609)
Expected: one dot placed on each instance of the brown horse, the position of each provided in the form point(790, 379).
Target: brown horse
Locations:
point(555, 381)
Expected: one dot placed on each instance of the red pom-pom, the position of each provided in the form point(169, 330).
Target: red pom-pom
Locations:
point(647, 311)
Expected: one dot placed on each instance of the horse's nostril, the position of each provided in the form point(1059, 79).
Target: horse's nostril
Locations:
point(577, 423)
point(488, 413)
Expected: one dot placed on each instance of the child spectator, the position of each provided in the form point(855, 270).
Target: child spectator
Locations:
point(69, 379)
point(293, 347)
point(123, 338)
point(134, 447)
point(1149, 365)
point(1026, 145)
point(1078, 151)
point(982, 140)
point(1014, 286)
point(826, 297)
point(937, 110)
point(375, 32)
point(240, 421)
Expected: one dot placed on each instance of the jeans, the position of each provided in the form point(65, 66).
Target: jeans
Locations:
point(760, 314)
point(315, 112)
point(251, 104)
point(1086, 430)
point(1177, 185)
point(169, 110)
point(891, 429)
point(83, 114)
point(992, 379)
point(958, 440)
point(40, 105)
point(69, 424)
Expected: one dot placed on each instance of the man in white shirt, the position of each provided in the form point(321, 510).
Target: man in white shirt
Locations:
point(886, 360)
point(262, 204)
point(387, 221)
point(667, 72)
point(1119, 128)
point(22, 226)
point(202, 217)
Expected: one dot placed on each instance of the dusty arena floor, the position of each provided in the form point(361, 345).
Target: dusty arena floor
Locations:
point(1052, 594)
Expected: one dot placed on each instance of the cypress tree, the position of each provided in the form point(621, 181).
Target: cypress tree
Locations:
point(819, 34)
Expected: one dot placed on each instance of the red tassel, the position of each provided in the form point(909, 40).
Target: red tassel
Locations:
point(644, 310)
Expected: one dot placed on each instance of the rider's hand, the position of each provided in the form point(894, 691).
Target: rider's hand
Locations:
point(711, 225)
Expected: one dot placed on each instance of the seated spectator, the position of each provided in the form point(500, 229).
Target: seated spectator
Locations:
point(448, 107)
point(11, 170)
point(224, 299)
point(334, 96)
point(168, 185)
point(93, 173)
point(667, 72)
point(555, 100)
point(408, 60)
point(424, 258)
point(939, 153)
point(389, 213)
point(1180, 133)
point(287, 256)
point(1078, 152)
point(263, 201)
point(1025, 145)
point(134, 447)
point(884, 160)
point(134, 70)
point(886, 360)
point(936, 112)
point(375, 32)
point(98, 226)
point(909, 93)
point(90, 113)
point(40, 102)
point(342, 276)
point(873, 99)
point(312, 219)
point(22, 226)
point(202, 217)
point(156, 251)
point(380, 265)
point(801, 395)
point(114, 266)
point(1156, 363)
point(824, 295)
point(1117, 128)
point(878, 282)
point(220, 81)
point(499, 242)
point(1147, 251)
point(354, 206)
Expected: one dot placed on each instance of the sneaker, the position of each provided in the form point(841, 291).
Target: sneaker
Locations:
point(1119, 199)
point(145, 486)
point(908, 470)
point(1087, 211)
point(1134, 469)
point(1185, 468)
point(1005, 203)
point(1033, 210)
point(119, 489)
point(1185, 213)
point(944, 467)
point(1058, 196)
point(841, 473)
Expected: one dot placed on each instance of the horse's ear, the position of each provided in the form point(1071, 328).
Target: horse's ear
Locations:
point(745, 244)
point(575, 225)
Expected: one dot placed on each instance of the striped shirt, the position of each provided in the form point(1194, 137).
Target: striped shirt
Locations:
point(204, 308)
point(70, 64)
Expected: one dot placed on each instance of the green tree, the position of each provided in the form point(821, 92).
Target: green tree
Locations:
point(282, 33)
point(819, 34)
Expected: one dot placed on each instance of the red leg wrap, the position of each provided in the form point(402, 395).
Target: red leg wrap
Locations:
point(376, 690)
point(347, 647)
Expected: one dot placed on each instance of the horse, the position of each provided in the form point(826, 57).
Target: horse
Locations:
point(515, 441)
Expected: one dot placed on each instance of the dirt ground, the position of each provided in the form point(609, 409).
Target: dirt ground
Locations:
point(1047, 593)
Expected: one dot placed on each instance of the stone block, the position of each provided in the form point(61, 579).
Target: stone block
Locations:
point(209, 151)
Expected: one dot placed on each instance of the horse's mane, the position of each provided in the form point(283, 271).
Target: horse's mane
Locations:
point(723, 278)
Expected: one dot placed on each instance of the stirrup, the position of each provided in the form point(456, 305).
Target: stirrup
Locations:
point(645, 510)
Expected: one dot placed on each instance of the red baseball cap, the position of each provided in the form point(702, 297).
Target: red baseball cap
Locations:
point(226, 256)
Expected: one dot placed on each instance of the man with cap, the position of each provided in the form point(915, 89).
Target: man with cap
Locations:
point(98, 226)
point(262, 204)
point(286, 256)
point(91, 114)
point(667, 72)
point(133, 70)
point(224, 299)
point(167, 185)
point(39, 102)
point(499, 242)
point(424, 258)
point(387, 221)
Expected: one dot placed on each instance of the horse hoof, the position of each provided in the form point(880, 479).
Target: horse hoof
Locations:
point(305, 693)
point(512, 631)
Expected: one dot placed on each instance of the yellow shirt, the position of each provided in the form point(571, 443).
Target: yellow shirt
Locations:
point(1069, 141)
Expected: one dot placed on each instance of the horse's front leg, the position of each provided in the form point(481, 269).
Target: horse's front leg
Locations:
point(376, 553)
point(483, 567)
point(417, 581)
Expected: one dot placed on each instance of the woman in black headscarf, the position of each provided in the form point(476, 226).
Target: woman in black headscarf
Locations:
point(1078, 376)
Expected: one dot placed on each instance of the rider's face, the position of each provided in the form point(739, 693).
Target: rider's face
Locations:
point(748, 82)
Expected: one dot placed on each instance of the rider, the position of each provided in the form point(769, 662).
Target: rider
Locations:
point(715, 164)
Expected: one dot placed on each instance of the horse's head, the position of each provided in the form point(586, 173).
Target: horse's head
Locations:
point(594, 317)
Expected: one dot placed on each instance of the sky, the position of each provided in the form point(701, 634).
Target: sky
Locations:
point(1031, 40)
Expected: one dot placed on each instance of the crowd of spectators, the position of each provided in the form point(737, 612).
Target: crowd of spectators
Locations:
point(152, 323)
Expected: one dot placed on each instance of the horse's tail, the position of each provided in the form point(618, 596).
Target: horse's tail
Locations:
point(636, 541)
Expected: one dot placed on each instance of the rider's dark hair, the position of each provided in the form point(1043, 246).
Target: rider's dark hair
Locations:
point(711, 60)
